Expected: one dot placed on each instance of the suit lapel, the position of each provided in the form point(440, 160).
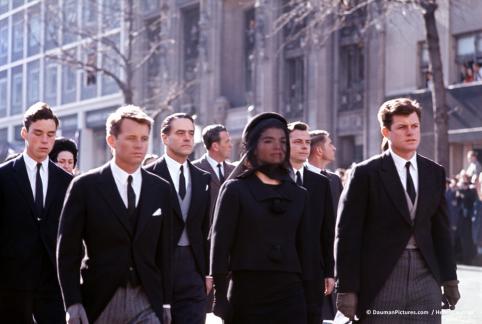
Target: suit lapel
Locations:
point(196, 183)
point(52, 186)
point(393, 186)
point(108, 188)
point(163, 171)
point(144, 207)
point(23, 182)
point(214, 174)
point(423, 181)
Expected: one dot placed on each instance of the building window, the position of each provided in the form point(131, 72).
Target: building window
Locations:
point(89, 16)
point(110, 14)
point(4, 6)
point(33, 36)
point(33, 82)
point(191, 42)
point(249, 49)
point(70, 31)
point(50, 86)
point(425, 76)
point(295, 87)
point(3, 93)
point(17, 3)
point(17, 36)
point(89, 73)
point(69, 82)
point(51, 38)
point(3, 41)
point(149, 6)
point(351, 77)
point(110, 63)
point(16, 90)
point(469, 57)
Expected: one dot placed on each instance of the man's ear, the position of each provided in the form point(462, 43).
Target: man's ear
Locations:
point(385, 132)
point(23, 133)
point(111, 141)
point(215, 146)
point(164, 138)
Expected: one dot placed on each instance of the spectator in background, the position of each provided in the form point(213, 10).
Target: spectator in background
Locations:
point(477, 71)
point(474, 167)
point(64, 154)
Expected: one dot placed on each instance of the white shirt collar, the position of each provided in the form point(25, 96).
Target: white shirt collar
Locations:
point(313, 168)
point(214, 164)
point(400, 162)
point(173, 164)
point(121, 175)
point(301, 170)
point(32, 164)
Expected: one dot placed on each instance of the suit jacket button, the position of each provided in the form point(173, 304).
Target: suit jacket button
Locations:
point(131, 269)
point(39, 219)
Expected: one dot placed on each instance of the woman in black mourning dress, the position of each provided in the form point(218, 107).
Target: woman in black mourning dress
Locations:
point(259, 240)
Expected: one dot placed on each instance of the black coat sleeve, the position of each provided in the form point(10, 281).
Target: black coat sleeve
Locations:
point(328, 235)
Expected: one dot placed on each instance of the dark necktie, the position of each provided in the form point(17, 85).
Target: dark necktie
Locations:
point(131, 203)
point(220, 173)
point(39, 193)
point(298, 178)
point(410, 187)
point(182, 184)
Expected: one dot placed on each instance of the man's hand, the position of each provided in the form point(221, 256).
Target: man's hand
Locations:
point(76, 315)
point(166, 315)
point(346, 303)
point(209, 284)
point(329, 285)
point(451, 292)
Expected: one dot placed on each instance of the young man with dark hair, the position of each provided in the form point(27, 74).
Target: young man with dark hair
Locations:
point(322, 219)
point(32, 191)
point(121, 214)
point(393, 245)
point(191, 219)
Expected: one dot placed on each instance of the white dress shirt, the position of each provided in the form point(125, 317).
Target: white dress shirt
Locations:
point(302, 175)
point(402, 171)
point(214, 164)
point(31, 166)
point(120, 177)
point(174, 168)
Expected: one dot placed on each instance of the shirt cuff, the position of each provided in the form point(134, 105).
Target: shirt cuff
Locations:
point(167, 306)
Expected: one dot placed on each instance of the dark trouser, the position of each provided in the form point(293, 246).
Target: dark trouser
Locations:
point(22, 307)
point(314, 303)
point(411, 295)
point(189, 295)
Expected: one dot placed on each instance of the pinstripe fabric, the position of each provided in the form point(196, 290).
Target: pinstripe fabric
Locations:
point(129, 305)
point(410, 287)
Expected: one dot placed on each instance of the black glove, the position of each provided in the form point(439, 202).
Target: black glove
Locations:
point(221, 306)
point(346, 303)
point(451, 293)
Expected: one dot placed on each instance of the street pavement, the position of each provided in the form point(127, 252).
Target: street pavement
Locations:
point(468, 309)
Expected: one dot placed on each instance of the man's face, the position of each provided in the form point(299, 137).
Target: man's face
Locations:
point(39, 138)
point(329, 150)
point(224, 146)
point(180, 140)
point(65, 160)
point(404, 134)
point(130, 145)
point(299, 145)
point(271, 148)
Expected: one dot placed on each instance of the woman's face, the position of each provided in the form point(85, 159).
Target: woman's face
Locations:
point(65, 160)
point(271, 148)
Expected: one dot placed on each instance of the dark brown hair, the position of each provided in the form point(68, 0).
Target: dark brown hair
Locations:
point(166, 123)
point(318, 137)
point(396, 107)
point(298, 125)
point(135, 113)
point(211, 134)
point(39, 111)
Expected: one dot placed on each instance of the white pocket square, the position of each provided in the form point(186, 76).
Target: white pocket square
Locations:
point(158, 212)
point(207, 187)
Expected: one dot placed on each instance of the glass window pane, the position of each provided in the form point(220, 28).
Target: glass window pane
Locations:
point(4, 6)
point(89, 77)
point(90, 16)
point(110, 62)
point(111, 12)
point(17, 36)
point(17, 3)
point(51, 25)
point(33, 36)
point(33, 82)
point(3, 41)
point(466, 45)
point(3, 93)
point(50, 86)
point(16, 88)
point(70, 21)
point(69, 83)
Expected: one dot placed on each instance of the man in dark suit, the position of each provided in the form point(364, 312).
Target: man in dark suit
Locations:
point(218, 146)
point(322, 219)
point(32, 191)
point(393, 248)
point(322, 153)
point(121, 214)
point(191, 219)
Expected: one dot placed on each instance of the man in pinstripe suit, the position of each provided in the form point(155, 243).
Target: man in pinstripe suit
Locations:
point(392, 245)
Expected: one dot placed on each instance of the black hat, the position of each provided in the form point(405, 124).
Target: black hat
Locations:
point(63, 144)
point(254, 123)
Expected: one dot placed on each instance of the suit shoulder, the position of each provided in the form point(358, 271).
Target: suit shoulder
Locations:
point(429, 162)
point(157, 180)
point(88, 176)
point(196, 169)
point(316, 177)
point(6, 166)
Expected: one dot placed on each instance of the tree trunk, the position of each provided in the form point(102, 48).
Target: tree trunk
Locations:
point(439, 97)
